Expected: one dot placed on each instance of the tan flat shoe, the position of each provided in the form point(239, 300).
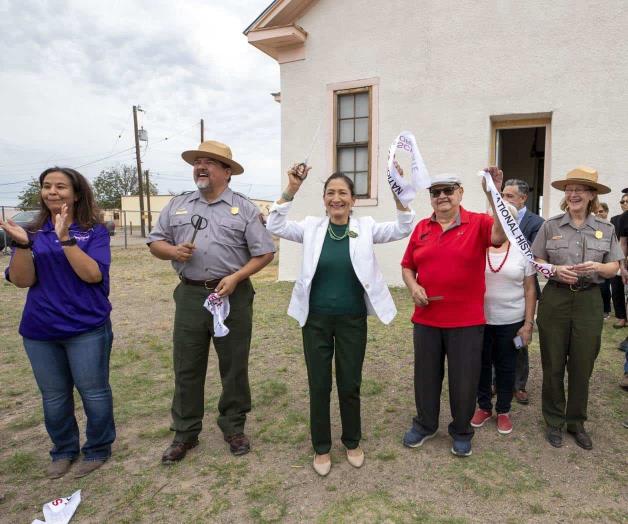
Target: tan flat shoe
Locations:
point(322, 468)
point(355, 457)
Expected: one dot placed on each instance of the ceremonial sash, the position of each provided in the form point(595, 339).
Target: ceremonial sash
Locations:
point(511, 228)
point(419, 178)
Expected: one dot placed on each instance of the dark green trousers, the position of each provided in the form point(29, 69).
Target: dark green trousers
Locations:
point(341, 338)
point(570, 335)
point(193, 331)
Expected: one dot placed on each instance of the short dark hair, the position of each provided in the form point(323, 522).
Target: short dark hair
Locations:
point(340, 176)
point(86, 212)
point(522, 185)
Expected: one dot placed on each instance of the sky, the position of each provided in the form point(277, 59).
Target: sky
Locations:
point(71, 70)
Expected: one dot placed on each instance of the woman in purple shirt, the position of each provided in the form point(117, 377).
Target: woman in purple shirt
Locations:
point(63, 257)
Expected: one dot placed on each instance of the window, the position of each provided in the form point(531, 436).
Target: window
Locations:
point(353, 137)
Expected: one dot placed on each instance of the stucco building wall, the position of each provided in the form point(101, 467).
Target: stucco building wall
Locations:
point(444, 69)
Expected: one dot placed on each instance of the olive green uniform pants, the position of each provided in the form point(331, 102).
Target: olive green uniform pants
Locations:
point(193, 331)
point(343, 338)
point(570, 335)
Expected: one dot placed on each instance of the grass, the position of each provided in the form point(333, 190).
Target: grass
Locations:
point(517, 478)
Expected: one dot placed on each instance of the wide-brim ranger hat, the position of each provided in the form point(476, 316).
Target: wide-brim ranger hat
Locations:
point(217, 151)
point(587, 176)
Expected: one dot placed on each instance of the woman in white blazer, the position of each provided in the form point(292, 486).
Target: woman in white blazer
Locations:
point(340, 283)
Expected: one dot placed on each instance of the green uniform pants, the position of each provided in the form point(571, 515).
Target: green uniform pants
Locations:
point(193, 331)
point(344, 335)
point(570, 335)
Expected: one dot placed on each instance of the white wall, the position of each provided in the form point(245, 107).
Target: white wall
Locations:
point(444, 68)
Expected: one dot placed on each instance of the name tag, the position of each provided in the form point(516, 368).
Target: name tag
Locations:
point(181, 212)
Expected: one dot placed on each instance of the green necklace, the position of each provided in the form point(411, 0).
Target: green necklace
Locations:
point(346, 234)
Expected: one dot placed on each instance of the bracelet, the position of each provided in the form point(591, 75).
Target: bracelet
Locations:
point(17, 245)
point(287, 196)
point(69, 242)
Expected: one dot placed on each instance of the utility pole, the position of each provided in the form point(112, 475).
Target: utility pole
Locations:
point(150, 217)
point(139, 169)
point(202, 130)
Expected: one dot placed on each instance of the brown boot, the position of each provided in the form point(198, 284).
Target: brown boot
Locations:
point(177, 451)
point(623, 383)
point(238, 444)
point(85, 467)
point(57, 468)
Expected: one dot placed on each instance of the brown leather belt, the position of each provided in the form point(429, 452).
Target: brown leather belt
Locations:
point(572, 287)
point(207, 284)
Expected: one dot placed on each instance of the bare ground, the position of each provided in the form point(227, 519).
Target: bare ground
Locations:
point(514, 478)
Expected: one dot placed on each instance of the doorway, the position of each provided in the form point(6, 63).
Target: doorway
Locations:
point(520, 149)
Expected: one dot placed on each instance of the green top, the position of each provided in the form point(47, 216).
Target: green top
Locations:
point(336, 289)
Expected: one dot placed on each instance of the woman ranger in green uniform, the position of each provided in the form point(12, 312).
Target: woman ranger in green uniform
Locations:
point(584, 251)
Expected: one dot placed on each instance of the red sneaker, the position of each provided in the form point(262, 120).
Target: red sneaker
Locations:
point(504, 425)
point(480, 417)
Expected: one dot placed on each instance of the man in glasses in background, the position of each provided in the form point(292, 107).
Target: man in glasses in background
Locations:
point(516, 193)
point(617, 284)
point(230, 244)
point(443, 268)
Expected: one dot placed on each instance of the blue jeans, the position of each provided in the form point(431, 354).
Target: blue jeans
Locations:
point(498, 351)
point(81, 361)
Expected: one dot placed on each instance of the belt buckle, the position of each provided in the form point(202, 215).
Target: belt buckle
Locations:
point(207, 287)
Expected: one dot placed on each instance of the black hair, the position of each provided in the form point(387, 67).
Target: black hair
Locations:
point(341, 176)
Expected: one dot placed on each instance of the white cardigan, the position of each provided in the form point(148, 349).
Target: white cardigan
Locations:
point(311, 233)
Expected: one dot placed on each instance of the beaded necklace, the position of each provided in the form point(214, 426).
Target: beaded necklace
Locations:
point(490, 266)
point(334, 236)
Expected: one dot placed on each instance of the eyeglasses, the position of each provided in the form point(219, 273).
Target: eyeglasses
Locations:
point(447, 191)
point(623, 201)
point(576, 191)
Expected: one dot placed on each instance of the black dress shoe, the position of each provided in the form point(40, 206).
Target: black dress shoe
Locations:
point(581, 437)
point(555, 437)
point(176, 451)
point(238, 444)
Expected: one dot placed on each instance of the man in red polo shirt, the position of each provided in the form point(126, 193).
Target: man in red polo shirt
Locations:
point(443, 267)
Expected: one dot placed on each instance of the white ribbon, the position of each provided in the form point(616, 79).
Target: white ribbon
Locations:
point(511, 228)
point(219, 308)
point(419, 179)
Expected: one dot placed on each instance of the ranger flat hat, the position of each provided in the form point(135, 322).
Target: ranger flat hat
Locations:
point(446, 179)
point(587, 176)
point(217, 151)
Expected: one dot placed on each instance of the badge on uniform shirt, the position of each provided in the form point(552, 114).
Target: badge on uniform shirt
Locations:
point(235, 210)
point(181, 211)
point(598, 234)
point(557, 237)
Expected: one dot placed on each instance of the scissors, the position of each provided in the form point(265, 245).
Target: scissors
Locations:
point(198, 222)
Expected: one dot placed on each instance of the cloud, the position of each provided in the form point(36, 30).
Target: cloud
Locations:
point(73, 69)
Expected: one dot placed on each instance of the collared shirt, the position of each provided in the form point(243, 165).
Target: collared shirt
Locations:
point(450, 264)
point(60, 305)
point(233, 235)
point(521, 213)
point(561, 242)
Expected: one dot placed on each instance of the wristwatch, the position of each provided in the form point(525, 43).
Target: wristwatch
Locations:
point(70, 242)
point(17, 245)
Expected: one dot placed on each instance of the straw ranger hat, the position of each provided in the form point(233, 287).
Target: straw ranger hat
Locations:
point(586, 176)
point(217, 151)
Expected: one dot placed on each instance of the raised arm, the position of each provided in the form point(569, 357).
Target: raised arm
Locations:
point(278, 224)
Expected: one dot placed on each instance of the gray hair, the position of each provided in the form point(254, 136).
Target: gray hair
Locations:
point(522, 185)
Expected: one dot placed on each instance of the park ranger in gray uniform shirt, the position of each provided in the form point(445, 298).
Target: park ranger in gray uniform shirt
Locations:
point(230, 244)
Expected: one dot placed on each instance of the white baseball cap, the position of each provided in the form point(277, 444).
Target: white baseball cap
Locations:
point(446, 179)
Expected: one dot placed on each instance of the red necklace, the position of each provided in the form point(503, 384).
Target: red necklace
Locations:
point(488, 259)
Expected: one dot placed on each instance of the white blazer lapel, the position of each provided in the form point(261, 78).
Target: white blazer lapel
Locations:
point(354, 226)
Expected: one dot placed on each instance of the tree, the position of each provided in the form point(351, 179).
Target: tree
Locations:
point(114, 183)
point(29, 197)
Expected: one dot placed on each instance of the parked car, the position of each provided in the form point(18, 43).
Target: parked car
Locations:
point(23, 218)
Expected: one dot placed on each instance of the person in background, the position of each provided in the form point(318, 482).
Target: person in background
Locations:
point(622, 233)
point(605, 287)
point(617, 284)
point(63, 259)
point(340, 283)
point(509, 307)
point(584, 251)
point(516, 192)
